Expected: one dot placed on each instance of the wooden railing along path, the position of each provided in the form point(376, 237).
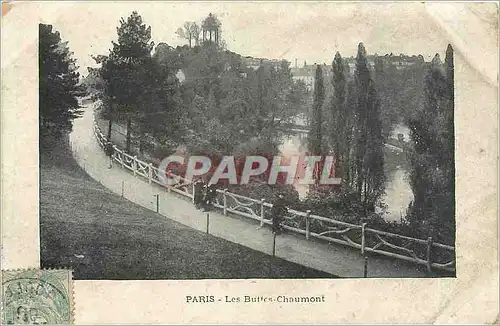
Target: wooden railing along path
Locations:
point(423, 252)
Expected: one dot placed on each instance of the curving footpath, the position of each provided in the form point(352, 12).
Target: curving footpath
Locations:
point(334, 259)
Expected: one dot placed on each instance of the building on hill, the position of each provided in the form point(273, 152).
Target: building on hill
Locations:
point(251, 62)
point(307, 73)
point(399, 62)
point(255, 63)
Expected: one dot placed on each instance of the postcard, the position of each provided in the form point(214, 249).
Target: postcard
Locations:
point(249, 162)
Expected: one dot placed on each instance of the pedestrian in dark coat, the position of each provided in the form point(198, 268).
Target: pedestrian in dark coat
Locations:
point(110, 150)
point(210, 194)
point(198, 193)
point(278, 212)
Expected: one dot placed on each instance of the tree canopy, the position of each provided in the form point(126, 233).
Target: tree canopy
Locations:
point(432, 174)
point(58, 84)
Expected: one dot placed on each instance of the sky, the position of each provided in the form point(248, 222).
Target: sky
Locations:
point(306, 31)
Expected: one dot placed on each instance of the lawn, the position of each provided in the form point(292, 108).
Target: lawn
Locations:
point(102, 236)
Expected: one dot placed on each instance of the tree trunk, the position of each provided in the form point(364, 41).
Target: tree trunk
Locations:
point(110, 121)
point(110, 127)
point(365, 196)
point(141, 145)
point(141, 142)
point(359, 178)
point(129, 127)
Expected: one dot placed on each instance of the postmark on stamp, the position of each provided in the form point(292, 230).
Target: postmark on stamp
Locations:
point(37, 297)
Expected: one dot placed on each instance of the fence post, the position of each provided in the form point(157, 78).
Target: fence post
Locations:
point(194, 190)
point(134, 165)
point(158, 203)
point(208, 221)
point(363, 241)
point(308, 224)
point(261, 212)
point(429, 250)
point(225, 202)
point(150, 172)
point(123, 188)
point(365, 268)
point(122, 159)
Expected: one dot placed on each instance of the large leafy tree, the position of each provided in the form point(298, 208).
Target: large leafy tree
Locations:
point(58, 84)
point(125, 71)
point(190, 31)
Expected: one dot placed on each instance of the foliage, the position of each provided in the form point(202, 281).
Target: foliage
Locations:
point(432, 156)
point(354, 135)
point(230, 104)
point(211, 25)
point(190, 31)
point(139, 88)
point(315, 136)
point(58, 84)
point(368, 153)
point(400, 90)
point(222, 107)
point(340, 122)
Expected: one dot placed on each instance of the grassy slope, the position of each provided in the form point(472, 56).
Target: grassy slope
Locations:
point(121, 240)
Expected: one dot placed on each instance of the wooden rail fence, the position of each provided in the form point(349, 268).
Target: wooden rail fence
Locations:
point(423, 252)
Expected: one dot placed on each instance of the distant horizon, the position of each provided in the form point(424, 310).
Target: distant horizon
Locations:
point(300, 64)
point(343, 57)
point(311, 32)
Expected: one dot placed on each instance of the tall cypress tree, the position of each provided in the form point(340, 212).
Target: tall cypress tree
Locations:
point(374, 155)
point(316, 133)
point(369, 175)
point(350, 159)
point(432, 180)
point(340, 120)
point(361, 80)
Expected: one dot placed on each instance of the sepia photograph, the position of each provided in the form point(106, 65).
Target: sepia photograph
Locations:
point(252, 162)
point(182, 151)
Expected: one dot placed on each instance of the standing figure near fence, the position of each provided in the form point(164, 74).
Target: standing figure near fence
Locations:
point(278, 212)
point(210, 194)
point(198, 193)
point(110, 150)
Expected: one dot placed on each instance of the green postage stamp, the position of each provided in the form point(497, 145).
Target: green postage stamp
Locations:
point(37, 297)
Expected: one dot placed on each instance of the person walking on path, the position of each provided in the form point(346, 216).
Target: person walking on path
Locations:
point(278, 212)
point(210, 194)
point(110, 150)
point(198, 193)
